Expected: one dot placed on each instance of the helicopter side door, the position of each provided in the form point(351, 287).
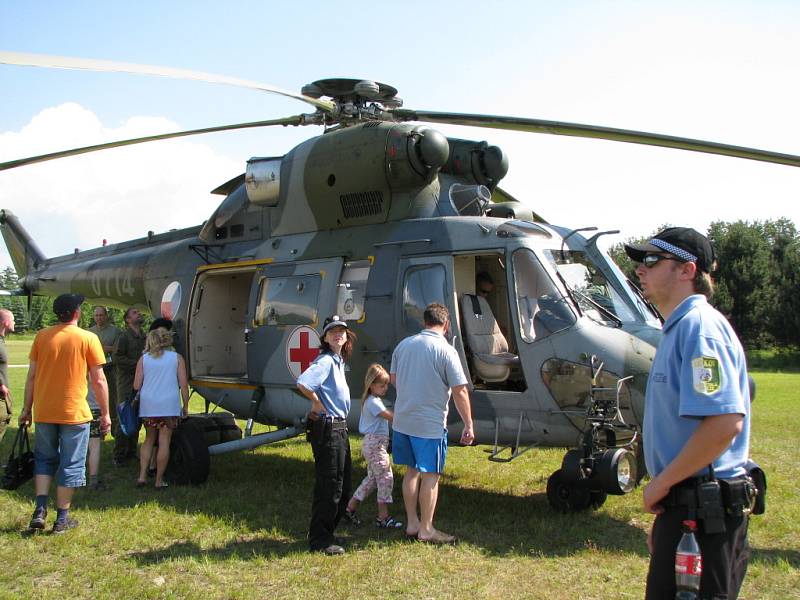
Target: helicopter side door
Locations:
point(217, 318)
point(423, 280)
point(288, 302)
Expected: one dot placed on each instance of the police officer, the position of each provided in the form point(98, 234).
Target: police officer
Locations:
point(697, 418)
point(325, 385)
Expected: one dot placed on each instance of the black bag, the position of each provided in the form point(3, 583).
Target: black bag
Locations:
point(19, 467)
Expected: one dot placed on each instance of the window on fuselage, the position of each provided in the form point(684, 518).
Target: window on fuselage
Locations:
point(288, 300)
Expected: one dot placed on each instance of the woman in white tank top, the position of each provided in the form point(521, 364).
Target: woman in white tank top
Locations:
point(163, 399)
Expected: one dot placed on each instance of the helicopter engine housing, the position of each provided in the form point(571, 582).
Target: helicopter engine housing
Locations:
point(360, 175)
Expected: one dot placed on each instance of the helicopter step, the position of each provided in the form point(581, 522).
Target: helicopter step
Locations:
point(514, 450)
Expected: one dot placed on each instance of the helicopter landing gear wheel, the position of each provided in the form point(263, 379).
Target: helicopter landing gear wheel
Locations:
point(597, 498)
point(564, 496)
point(189, 461)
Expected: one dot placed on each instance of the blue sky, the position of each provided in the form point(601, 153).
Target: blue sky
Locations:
point(723, 71)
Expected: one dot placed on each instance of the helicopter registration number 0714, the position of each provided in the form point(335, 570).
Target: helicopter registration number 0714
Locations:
point(120, 279)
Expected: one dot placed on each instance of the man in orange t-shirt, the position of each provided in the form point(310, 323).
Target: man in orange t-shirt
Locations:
point(60, 358)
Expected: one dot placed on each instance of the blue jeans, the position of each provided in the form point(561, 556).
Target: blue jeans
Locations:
point(61, 450)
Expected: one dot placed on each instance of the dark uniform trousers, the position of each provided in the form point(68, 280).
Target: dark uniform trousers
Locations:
point(724, 556)
point(332, 466)
point(111, 379)
point(127, 352)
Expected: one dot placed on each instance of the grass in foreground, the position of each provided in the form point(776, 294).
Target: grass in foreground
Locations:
point(242, 535)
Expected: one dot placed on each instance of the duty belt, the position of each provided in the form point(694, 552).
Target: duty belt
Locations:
point(336, 423)
point(737, 494)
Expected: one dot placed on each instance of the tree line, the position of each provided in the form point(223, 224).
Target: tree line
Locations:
point(757, 280)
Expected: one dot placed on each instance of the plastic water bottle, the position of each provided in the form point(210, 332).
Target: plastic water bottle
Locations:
point(688, 564)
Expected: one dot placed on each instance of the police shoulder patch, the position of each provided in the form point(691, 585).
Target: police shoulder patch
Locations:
point(706, 374)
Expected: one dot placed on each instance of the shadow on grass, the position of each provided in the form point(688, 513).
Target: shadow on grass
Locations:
point(261, 548)
point(770, 556)
point(268, 495)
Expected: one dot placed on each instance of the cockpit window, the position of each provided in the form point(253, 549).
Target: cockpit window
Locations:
point(590, 289)
point(541, 308)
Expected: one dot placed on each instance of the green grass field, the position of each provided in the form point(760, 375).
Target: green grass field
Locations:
point(242, 535)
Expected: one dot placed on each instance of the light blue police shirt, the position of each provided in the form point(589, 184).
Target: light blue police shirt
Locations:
point(699, 370)
point(425, 367)
point(370, 422)
point(325, 377)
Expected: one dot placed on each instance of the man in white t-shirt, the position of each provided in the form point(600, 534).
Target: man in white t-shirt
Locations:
point(425, 370)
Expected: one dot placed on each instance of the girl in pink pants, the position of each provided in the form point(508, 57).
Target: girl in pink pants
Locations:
point(374, 424)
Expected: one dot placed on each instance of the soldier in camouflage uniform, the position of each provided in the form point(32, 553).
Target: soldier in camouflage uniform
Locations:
point(108, 334)
point(127, 353)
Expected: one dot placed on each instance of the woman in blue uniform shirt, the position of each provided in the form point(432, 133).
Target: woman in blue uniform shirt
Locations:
point(324, 384)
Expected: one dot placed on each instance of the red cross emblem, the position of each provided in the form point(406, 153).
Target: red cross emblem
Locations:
point(301, 349)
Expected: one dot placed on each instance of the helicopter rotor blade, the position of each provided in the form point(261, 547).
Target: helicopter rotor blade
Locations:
point(12, 164)
point(25, 59)
point(594, 131)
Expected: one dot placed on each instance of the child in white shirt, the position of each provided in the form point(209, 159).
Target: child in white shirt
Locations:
point(374, 424)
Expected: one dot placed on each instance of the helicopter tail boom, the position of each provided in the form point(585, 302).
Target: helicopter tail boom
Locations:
point(25, 254)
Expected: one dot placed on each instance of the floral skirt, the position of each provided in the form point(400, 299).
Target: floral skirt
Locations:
point(161, 422)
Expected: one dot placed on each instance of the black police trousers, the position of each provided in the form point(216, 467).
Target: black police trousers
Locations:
point(724, 556)
point(332, 467)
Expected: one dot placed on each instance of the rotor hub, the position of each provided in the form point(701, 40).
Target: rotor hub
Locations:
point(360, 91)
point(355, 99)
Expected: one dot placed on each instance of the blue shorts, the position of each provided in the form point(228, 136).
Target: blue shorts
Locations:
point(61, 449)
point(426, 455)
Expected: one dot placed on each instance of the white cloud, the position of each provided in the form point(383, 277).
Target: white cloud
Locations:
point(117, 194)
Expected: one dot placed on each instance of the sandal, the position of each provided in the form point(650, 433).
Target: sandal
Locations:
point(389, 523)
point(352, 518)
point(439, 538)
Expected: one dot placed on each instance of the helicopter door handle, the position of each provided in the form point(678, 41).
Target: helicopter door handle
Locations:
point(247, 338)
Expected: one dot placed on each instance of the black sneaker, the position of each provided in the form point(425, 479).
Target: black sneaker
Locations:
point(333, 550)
point(63, 525)
point(38, 519)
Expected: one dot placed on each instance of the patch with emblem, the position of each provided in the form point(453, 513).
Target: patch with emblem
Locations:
point(706, 375)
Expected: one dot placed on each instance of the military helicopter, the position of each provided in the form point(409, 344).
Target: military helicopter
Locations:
point(372, 220)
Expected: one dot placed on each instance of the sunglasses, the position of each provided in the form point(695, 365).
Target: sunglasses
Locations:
point(651, 260)
point(484, 291)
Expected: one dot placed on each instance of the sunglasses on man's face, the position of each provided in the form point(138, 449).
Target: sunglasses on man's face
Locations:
point(651, 260)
